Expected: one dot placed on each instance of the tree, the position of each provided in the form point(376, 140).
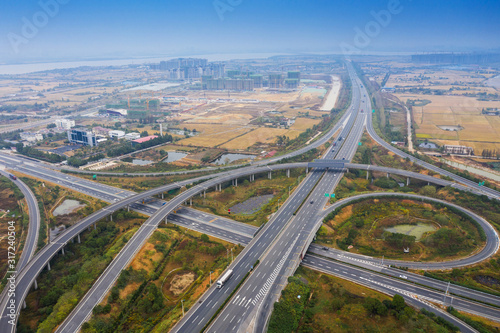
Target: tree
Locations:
point(398, 302)
point(428, 190)
point(204, 238)
point(144, 134)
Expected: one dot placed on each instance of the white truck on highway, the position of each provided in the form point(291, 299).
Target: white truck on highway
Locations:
point(224, 278)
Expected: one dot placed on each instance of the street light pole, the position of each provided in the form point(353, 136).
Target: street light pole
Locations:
point(182, 302)
point(210, 278)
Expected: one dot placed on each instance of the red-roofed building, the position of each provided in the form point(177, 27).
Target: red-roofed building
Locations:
point(144, 139)
point(271, 153)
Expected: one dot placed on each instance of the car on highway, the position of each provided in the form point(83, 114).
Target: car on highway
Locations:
point(403, 277)
point(312, 201)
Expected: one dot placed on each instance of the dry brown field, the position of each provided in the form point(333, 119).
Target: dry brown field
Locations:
point(262, 134)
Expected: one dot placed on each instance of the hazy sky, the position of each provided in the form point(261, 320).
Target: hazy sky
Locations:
point(112, 28)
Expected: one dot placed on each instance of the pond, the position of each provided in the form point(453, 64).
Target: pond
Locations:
point(67, 206)
point(138, 161)
point(416, 230)
point(174, 156)
point(228, 158)
point(450, 128)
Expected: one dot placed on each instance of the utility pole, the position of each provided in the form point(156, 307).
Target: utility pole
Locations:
point(210, 278)
point(446, 293)
point(182, 302)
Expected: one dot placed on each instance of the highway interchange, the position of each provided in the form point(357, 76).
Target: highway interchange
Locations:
point(277, 250)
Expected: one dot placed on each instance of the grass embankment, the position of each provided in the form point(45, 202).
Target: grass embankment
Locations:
point(13, 213)
point(316, 302)
point(174, 265)
point(361, 228)
point(219, 202)
point(72, 274)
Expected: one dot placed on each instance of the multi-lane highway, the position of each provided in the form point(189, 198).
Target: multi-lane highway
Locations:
point(31, 242)
point(290, 232)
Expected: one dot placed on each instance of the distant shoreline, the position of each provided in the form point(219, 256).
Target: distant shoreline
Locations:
point(47, 66)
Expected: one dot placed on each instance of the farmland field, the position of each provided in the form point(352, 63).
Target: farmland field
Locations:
point(479, 131)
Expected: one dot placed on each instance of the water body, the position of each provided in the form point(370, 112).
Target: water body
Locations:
point(46, 66)
point(174, 156)
point(471, 169)
point(412, 230)
point(228, 158)
point(314, 90)
point(67, 206)
point(494, 82)
point(138, 161)
point(450, 128)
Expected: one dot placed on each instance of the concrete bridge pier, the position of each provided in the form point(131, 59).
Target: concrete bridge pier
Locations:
point(111, 217)
point(166, 220)
point(162, 195)
point(62, 250)
point(387, 175)
point(236, 182)
point(204, 193)
point(24, 305)
point(190, 201)
point(307, 170)
point(367, 174)
point(35, 285)
point(269, 175)
point(128, 206)
point(407, 181)
point(95, 226)
point(48, 266)
point(288, 173)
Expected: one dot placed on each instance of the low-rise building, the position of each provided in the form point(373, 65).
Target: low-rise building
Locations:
point(98, 130)
point(144, 139)
point(458, 150)
point(116, 134)
point(65, 124)
point(82, 136)
point(31, 137)
point(132, 136)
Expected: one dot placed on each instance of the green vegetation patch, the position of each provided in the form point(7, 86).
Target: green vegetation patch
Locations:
point(387, 227)
point(329, 304)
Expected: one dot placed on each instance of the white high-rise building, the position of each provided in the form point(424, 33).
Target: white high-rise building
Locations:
point(64, 123)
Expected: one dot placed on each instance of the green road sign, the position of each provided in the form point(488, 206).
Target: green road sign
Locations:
point(327, 195)
point(332, 195)
point(359, 144)
point(373, 111)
